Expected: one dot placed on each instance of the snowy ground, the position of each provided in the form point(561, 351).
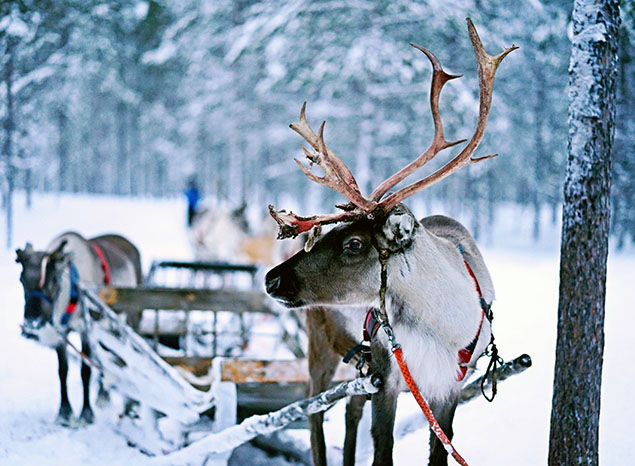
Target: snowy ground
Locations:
point(512, 430)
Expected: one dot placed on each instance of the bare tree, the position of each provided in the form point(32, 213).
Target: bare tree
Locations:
point(578, 371)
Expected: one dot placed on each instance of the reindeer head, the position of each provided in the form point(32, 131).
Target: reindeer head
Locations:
point(323, 275)
point(41, 281)
point(336, 269)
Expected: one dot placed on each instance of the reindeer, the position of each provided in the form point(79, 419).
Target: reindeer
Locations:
point(220, 234)
point(51, 296)
point(427, 278)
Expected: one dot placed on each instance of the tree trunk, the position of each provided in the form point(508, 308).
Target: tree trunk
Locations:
point(63, 169)
point(9, 126)
point(580, 347)
point(28, 187)
point(491, 204)
point(539, 148)
point(121, 172)
point(136, 151)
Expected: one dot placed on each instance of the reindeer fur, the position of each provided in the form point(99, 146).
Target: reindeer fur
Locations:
point(432, 304)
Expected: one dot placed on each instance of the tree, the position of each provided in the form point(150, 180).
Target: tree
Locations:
point(32, 33)
point(580, 346)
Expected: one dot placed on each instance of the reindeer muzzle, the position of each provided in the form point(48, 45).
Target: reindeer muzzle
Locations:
point(281, 288)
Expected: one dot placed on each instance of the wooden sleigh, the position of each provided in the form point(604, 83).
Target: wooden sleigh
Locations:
point(195, 410)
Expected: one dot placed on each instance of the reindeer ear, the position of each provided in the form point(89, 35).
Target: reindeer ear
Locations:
point(58, 254)
point(398, 230)
point(23, 253)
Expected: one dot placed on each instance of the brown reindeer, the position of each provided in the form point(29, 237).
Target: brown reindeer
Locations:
point(434, 286)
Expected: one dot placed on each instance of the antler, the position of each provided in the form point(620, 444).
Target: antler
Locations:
point(337, 176)
point(487, 65)
point(439, 78)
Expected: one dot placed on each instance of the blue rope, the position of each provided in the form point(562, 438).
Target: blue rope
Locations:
point(39, 294)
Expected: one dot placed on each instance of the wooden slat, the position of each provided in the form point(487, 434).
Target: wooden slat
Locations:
point(262, 398)
point(261, 371)
point(262, 386)
point(185, 299)
point(198, 366)
point(208, 266)
point(194, 267)
point(247, 371)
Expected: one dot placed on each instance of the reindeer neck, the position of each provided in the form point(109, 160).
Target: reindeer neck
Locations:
point(429, 289)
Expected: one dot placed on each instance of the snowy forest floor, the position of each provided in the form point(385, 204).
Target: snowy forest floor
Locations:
point(512, 430)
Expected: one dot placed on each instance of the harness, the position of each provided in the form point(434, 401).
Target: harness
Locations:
point(74, 290)
point(72, 302)
point(74, 294)
point(376, 318)
point(373, 321)
point(104, 264)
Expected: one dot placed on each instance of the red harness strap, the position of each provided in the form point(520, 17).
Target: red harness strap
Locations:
point(465, 355)
point(104, 263)
point(427, 412)
point(375, 319)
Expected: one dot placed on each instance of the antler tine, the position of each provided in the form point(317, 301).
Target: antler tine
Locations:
point(303, 129)
point(439, 78)
point(487, 65)
point(291, 225)
point(337, 176)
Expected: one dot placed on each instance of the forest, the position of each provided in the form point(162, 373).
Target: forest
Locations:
point(135, 98)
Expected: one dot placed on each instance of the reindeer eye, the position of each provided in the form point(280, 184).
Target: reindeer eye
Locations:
point(354, 245)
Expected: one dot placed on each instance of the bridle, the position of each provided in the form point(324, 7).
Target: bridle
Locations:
point(39, 291)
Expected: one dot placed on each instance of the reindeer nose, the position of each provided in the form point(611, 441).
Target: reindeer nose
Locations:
point(272, 284)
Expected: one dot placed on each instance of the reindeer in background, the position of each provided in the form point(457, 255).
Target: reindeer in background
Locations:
point(217, 233)
point(426, 278)
point(50, 280)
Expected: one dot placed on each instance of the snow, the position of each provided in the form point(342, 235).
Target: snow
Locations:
point(514, 429)
point(12, 25)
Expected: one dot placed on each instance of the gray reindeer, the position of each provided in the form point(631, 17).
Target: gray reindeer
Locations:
point(426, 277)
point(51, 297)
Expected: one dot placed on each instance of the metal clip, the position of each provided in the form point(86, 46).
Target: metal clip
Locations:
point(391, 336)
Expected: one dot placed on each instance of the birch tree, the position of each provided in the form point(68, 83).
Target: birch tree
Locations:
point(578, 371)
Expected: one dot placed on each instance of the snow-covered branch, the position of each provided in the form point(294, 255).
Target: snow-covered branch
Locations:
point(228, 439)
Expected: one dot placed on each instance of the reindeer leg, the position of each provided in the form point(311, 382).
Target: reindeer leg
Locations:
point(103, 397)
point(87, 416)
point(322, 364)
point(384, 404)
point(65, 414)
point(354, 410)
point(445, 415)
